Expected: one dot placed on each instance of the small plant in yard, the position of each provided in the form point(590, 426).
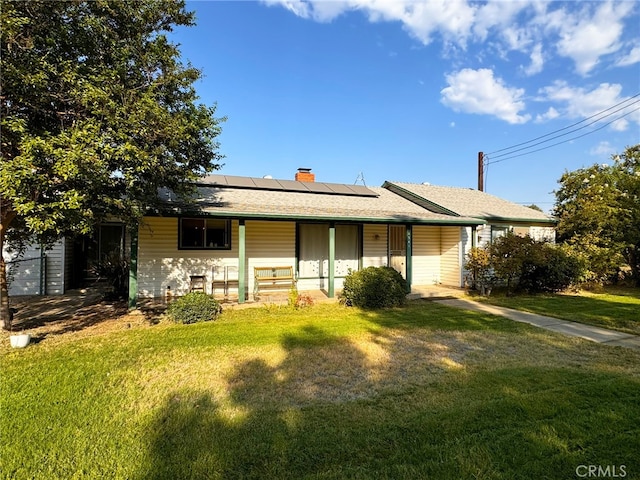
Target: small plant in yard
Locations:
point(480, 270)
point(299, 300)
point(115, 268)
point(194, 307)
point(374, 287)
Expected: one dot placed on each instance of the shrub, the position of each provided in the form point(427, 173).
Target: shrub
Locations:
point(480, 270)
point(552, 269)
point(374, 287)
point(115, 268)
point(299, 300)
point(194, 307)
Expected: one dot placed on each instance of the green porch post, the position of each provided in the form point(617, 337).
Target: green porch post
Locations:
point(332, 259)
point(133, 269)
point(409, 257)
point(242, 261)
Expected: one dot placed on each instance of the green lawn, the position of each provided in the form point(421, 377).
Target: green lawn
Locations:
point(323, 393)
point(614, 308)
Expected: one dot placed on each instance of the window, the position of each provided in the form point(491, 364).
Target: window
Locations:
point(497, 232)
point(205, 233)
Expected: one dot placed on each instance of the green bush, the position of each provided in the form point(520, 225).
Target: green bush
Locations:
point(194, 307)
point(552, 269)
point(374, 287)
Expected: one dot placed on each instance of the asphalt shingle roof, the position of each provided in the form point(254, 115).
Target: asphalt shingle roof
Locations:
point(468, 202)
point(378, 204)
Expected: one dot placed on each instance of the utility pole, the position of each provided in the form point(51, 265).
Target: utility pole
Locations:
point(481, 171)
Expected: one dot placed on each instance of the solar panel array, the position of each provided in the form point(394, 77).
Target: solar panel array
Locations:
point(286, 185)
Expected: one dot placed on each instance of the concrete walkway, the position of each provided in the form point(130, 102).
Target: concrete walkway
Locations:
point(573, 329)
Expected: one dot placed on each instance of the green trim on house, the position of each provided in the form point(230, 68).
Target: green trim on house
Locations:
point(525, 222)
point(242, 261)
point(409, 256)
point(456, 221)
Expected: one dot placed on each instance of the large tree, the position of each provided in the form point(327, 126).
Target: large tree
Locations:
point(98, 112)
point(598, 209)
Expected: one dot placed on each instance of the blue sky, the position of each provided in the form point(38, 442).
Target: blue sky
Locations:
point(412, 91)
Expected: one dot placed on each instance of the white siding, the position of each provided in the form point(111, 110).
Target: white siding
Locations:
point(269, 244)
point(161, 264)
point(25, 274)
point(426, 255)
point(484, 235)
point(450, 271)
point(466, 246)
point(23, 271)
point(374, 252)
point(546, 234)
point(55, 268)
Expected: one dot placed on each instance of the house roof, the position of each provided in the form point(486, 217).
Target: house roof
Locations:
point(255, 198)
point(467, 202)
point(252, 183)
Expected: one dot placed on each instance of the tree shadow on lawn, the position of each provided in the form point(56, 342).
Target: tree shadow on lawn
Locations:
point(398, 406)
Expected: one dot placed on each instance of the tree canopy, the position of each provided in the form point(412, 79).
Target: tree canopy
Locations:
point(97, 113)
point(598, 209)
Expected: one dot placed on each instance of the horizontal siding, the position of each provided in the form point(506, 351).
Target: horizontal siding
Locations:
point(484, 235)
point(374, 251)
point(24, 275)
point(55, 268)
point(466, 246)
point(269, 244)
point(24, 271)
point(161, 264)
point(450, 271)
point(426, 255)
point(543, 234)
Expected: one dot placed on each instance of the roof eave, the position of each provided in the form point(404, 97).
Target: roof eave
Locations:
point(418, 199)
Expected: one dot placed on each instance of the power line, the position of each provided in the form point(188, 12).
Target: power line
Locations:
point(599, 114)
point(559, 143)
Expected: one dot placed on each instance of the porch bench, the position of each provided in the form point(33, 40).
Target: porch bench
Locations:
point(274, 278)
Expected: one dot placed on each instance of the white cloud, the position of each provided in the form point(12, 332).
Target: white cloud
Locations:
point(537, 61)
point(477, 91)
point(603, 149)
point(582, 31)
point(631, 58)
point(548, 115)
point(577, 102)
point(587, 35)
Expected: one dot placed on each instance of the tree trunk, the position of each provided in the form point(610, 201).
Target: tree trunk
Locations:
point(5, 313)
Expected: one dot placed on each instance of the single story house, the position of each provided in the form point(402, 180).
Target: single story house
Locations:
point(319, 231)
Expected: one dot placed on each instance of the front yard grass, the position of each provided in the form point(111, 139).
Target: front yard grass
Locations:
point(613, 308)
point(424, 391)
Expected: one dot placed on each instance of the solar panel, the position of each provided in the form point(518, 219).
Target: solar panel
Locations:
point(318, 187)
point(287, 185)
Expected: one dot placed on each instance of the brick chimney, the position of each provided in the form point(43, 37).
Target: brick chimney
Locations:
point(305, 175)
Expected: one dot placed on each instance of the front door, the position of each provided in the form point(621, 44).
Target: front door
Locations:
point(398, 248)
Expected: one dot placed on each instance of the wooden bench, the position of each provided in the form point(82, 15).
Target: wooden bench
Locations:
point(274, 278)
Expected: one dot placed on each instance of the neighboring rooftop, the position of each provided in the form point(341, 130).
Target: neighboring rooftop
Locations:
point(466, 202)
